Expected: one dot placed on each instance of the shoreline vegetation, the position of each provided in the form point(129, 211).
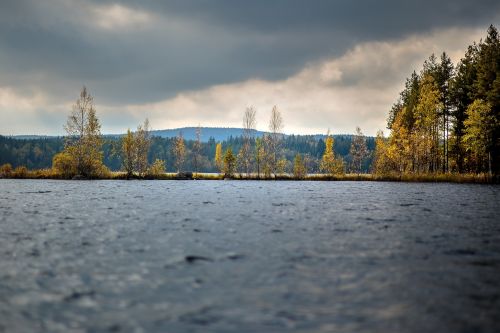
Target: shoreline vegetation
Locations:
point(444, 127)
point(484, 178)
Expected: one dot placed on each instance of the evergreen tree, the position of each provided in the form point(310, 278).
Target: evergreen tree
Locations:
point(408, 99)
point(487, 86)
point(444, 76)
point(462, 92)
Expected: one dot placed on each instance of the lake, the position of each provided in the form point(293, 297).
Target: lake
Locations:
point(247, 256)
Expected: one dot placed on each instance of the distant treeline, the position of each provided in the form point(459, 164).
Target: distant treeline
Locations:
point(38, 153)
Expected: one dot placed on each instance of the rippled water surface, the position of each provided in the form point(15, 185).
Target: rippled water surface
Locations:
point(242, 256)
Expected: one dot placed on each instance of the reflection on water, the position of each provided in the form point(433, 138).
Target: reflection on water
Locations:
point(228, 256)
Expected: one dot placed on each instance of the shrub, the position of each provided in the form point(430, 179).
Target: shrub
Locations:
point(101, 171)
point(157, 169)
point(20, 172)
point(64, 165)
point(5, 170)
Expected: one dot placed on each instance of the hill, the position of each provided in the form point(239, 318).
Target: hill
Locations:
point(218, 133)
point(189, 133)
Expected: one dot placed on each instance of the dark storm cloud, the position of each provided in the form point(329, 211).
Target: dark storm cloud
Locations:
point(362, 18)
point(51, 45)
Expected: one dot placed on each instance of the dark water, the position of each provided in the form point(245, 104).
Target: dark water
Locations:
point(203, 256)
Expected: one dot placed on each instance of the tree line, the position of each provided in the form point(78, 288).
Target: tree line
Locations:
point(85, 152)
point(447, 118)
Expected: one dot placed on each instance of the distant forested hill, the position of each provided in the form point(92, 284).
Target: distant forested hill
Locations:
point(218, 133)
point(37, 153)
point(188, 133)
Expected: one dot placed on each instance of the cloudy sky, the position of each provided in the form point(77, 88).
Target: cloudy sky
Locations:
point(325, 64)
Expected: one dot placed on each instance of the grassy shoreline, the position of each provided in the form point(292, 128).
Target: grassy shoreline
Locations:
point(422, 178)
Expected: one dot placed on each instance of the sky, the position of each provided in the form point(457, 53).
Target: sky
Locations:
point(326, 64)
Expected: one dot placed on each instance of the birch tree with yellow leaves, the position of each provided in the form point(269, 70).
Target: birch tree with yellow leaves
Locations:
point(84, 140)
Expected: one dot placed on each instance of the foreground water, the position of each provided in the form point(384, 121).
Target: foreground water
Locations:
point(238, 256)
